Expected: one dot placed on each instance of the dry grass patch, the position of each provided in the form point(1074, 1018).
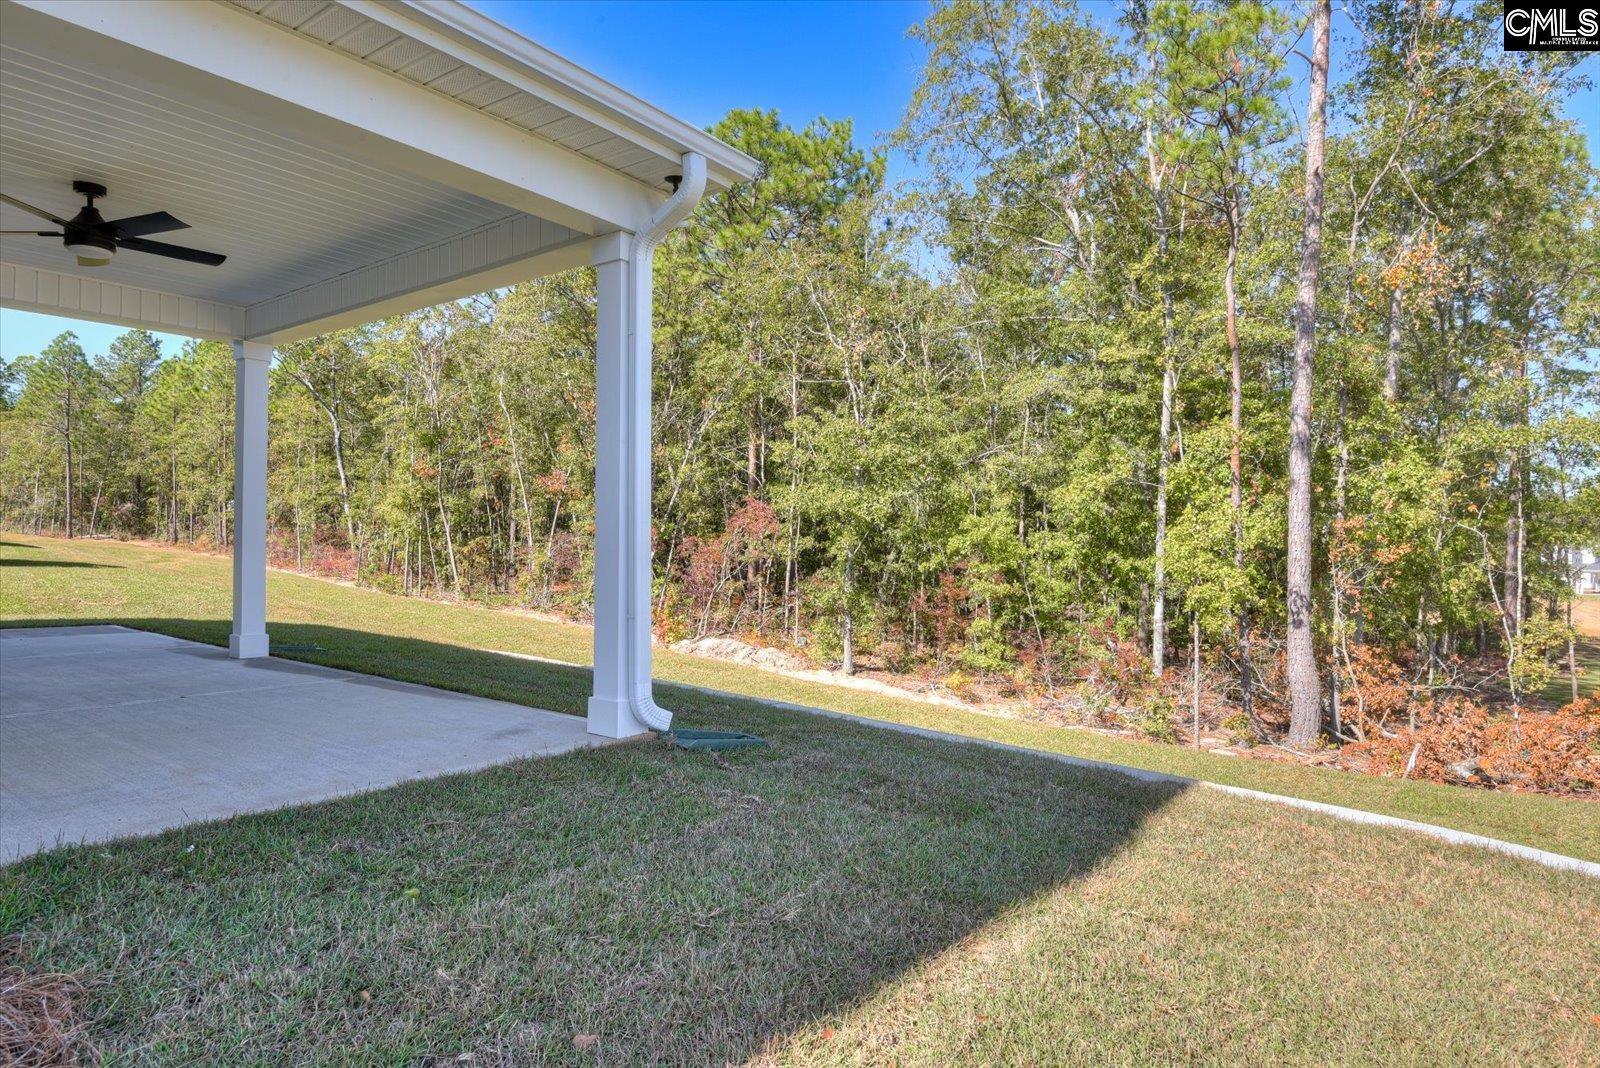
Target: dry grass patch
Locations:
point(40, 1022)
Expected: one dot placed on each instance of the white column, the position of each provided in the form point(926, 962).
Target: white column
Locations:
point(251, 359)
point(615, 611)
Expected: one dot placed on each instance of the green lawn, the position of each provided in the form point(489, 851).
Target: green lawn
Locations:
point(847, 895)
point(1586, 621)
point(1559, 690)
point(187, 595)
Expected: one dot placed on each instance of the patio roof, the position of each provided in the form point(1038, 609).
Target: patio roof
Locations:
point(351, 159)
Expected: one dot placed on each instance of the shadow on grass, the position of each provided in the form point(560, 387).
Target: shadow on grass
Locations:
point(679, 906)
point(16, 545)
point(6, 562)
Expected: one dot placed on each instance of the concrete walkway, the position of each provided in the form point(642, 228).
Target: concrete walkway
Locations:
point(107, 732)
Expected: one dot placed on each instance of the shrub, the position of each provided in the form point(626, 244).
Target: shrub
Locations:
point(987, 651)
point(1153, 718)
point(1238, 724)
point(962, 685)
point(381, 580)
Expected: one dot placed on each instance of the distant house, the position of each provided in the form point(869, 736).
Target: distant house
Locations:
point(1583, 567)
point(1586, 579)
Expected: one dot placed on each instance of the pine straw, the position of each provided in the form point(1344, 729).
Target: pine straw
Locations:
point(39, 1021)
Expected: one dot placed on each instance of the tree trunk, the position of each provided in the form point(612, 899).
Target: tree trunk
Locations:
point(522, 483)
point(1194, 682)
point(449, 536)
point(1236, 447)
point(1391, 369)
point(344, 484)
point(94, 509)
point(1510, 594)
point(1158, 608)
point(849, 665)
point(1336, 578)
point(1157, 185)
point(1305, 682)
point(1513, 591)
point(66, 435)
point(752, 452)
point(299, 522)
point(1572, 646)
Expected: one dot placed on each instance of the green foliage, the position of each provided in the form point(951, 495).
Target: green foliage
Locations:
point(1153, 718)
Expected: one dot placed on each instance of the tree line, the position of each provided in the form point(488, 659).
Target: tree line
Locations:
point(1193, 341)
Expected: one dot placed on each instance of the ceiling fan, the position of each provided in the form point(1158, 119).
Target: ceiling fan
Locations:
point(94, 240)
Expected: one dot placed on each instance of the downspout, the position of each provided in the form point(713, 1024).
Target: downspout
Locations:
point(690, 188)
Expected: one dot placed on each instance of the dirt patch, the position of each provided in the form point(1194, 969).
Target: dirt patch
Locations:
point(1586, 616)
point(738, 652)
point(779, 662)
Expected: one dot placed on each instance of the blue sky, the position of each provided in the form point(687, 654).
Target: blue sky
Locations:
point(699, 59)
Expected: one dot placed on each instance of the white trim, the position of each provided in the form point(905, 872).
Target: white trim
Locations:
point(82, 296)
point(491, 47)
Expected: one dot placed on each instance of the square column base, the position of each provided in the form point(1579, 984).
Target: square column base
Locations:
point(247, 646)
point(611, 718)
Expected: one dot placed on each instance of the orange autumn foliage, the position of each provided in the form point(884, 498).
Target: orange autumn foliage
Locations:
point(1456, 740)
point(1376, 690)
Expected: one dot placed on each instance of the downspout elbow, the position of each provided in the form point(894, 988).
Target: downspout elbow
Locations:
point(678, 207)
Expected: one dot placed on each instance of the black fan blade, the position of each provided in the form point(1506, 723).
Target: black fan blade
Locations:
point(35, 233)
point(157, 222)
point(31, 210)
point(176, 252)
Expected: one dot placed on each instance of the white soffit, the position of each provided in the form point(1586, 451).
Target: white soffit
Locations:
point(451, 49)
point(333, 203)
point(286, 213)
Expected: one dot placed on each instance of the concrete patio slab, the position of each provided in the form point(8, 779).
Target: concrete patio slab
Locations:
point(107, 732)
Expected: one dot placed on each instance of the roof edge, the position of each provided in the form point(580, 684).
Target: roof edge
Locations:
point(496, 42)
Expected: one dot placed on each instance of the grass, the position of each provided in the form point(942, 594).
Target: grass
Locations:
point(1586, 621)
point(844, 896)
point(188, 595)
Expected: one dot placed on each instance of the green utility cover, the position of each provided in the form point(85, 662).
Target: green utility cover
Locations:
point(687, 739)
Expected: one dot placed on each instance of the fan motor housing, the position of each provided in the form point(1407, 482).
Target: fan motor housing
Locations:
point(91, 249)
point(82, 236)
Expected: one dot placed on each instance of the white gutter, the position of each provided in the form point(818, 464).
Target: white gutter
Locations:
point(641, 259)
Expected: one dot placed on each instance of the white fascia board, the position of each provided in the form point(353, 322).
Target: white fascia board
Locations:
point(504, 253)
point(264, 74)
point(82, 296)
point(481, 42)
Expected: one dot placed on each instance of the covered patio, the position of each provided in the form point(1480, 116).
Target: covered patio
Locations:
point(109, 732)
point(333, 163)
